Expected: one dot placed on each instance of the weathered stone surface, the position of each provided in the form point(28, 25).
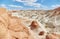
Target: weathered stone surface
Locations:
point(12, 28)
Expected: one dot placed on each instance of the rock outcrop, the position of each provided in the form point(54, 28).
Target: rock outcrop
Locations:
point(11, 27)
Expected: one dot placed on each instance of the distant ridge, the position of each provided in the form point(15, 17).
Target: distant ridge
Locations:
point(57, 9)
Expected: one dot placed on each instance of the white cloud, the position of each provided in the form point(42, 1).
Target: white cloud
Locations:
point(55, 6)
point(3, 5)
point(28, 1)
point(33, 4)
point(15, 6)
point(9, 7)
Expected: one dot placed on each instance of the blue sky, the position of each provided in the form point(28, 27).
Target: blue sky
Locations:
point(30, 4)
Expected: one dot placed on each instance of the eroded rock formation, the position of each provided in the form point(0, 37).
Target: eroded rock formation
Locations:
point(11, 27)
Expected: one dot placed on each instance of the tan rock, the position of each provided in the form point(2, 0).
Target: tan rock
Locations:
point(3, 23)
point(17, 29)
point(11, 27)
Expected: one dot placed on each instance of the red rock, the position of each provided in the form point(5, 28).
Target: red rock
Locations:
point(41, 33)
point(34, 25)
